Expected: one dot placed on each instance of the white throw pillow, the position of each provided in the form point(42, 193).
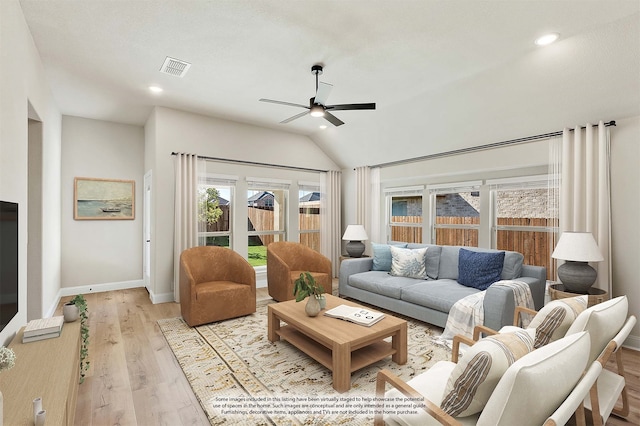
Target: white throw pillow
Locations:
point(475, 377)
point(410, 263)
point(554, 319)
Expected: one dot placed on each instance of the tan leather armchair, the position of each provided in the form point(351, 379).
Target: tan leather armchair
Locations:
point(216, 283)
point(286, 260)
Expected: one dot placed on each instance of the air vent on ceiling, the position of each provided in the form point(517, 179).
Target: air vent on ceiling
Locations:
point(175, 67)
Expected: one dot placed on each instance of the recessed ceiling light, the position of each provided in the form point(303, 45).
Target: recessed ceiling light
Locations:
point(547, 39)
point(155, 89)
point(323, 126)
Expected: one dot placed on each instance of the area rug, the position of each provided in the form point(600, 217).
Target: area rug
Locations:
point(240, 377)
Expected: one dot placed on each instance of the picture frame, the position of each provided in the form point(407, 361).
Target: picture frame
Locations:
point(103, 199)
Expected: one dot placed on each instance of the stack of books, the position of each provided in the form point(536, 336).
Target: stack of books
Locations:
point(43, 328)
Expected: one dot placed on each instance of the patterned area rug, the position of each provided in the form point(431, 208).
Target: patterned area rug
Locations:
point(240, 377)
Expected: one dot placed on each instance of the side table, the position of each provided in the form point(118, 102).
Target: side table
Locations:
point(595, 295)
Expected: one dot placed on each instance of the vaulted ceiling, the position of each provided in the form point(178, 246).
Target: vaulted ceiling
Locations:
point(444, 74)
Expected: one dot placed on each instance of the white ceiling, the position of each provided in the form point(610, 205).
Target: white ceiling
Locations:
point(444, 74)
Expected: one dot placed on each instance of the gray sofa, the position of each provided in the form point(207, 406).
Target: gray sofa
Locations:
point(430, 300)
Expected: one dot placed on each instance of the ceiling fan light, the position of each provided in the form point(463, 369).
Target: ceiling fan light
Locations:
point(317, 111)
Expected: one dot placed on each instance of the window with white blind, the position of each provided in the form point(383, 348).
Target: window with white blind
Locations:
point(215, 205)
point(309, 214)
point(455, 213)
point(525, 218)
point(404, 213)
point(267, 216)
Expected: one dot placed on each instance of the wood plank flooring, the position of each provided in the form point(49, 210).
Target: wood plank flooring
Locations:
point(134, 379)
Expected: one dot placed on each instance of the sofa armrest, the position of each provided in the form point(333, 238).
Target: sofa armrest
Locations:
point(538, 284)
point(349, 267)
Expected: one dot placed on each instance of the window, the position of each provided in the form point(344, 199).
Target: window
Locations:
point(215, 211)
point(524, 219)
point(404, 214)
point(267, 208)
point(309, 215)
point(455, 213)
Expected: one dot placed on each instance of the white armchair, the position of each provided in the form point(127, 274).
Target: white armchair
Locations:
point(550, 373)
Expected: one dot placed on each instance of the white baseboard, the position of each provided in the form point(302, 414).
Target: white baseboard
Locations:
point(161, 297)
point(93, 288)
point(632, 342)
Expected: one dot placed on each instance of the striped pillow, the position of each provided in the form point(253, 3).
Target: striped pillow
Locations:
point(554, 319)
point(474, 378)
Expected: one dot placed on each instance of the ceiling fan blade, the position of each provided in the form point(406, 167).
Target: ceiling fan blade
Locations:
point(346, 107)
point(294, 117)
point(333, 119)
point(324, 89)
point(283, 103)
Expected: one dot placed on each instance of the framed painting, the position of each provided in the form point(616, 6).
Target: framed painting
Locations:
point(103, 199)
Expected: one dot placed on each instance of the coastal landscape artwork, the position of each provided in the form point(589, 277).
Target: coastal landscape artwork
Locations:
point(103, 199)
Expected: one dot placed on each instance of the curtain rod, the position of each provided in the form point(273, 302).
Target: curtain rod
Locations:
point(255, 163)
point(480, 147)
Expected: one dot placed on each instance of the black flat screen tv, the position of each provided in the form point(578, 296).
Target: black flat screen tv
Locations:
point(8, 262)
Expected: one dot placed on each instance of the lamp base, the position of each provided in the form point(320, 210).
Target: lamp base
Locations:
point(577, 277)
point(355, 248)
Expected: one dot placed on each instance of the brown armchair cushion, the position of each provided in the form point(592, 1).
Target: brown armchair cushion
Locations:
point(286, 260)
point(216, 283)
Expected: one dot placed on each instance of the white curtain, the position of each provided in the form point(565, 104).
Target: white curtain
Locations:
point(185, 235)
point(330, 224)
point(585, 204)
point(368, 201)
point(374, 206)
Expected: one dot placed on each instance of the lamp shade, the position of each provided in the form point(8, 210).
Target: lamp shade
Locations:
point(355, 233)
point(577, 247)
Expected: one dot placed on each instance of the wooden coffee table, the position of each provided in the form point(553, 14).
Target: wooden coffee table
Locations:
point(341, 346)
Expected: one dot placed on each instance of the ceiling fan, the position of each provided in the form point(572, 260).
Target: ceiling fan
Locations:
point(317, 105)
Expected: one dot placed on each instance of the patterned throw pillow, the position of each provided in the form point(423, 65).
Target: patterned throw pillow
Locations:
point(382, 256)
point(474, 378)
point(479, 269)
point(408, 263)
point(554, 319)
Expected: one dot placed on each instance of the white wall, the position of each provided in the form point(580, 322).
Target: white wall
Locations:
point(22, 82)
point(169, 131)
point(625, 217)
point(103, 252)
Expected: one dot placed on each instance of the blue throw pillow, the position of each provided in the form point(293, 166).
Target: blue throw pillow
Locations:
point(382, 256)
point(479, 270)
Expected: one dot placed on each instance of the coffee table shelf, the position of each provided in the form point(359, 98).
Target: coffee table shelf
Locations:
point(360, 358)
point(340, 346)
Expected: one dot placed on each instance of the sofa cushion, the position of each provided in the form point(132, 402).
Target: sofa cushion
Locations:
point(437, 294)
point(479, 270)
point(473, 380)
point(433, 258)
point(410, 263)
point(382, 255)
point(381, 282)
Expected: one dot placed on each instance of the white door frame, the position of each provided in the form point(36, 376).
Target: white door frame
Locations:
point(146, 230)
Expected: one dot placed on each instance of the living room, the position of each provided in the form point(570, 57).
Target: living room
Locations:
point(92, 256)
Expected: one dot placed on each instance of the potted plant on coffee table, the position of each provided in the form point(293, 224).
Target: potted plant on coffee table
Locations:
point(306, 286)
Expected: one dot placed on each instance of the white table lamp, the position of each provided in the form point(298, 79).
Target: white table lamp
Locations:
point(576, 249)
point(355, 234)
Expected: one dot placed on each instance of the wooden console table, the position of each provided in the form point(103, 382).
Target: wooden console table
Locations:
point(46, 368)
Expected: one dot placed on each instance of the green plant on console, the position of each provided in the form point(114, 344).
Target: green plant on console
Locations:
point(81, 304)
point(305, 286)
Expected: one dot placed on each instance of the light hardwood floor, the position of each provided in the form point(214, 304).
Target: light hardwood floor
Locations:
point(134, 378)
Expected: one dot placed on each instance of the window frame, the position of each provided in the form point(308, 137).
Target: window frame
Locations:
point(407, 191)
point(451, 188)
point(214, 180)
